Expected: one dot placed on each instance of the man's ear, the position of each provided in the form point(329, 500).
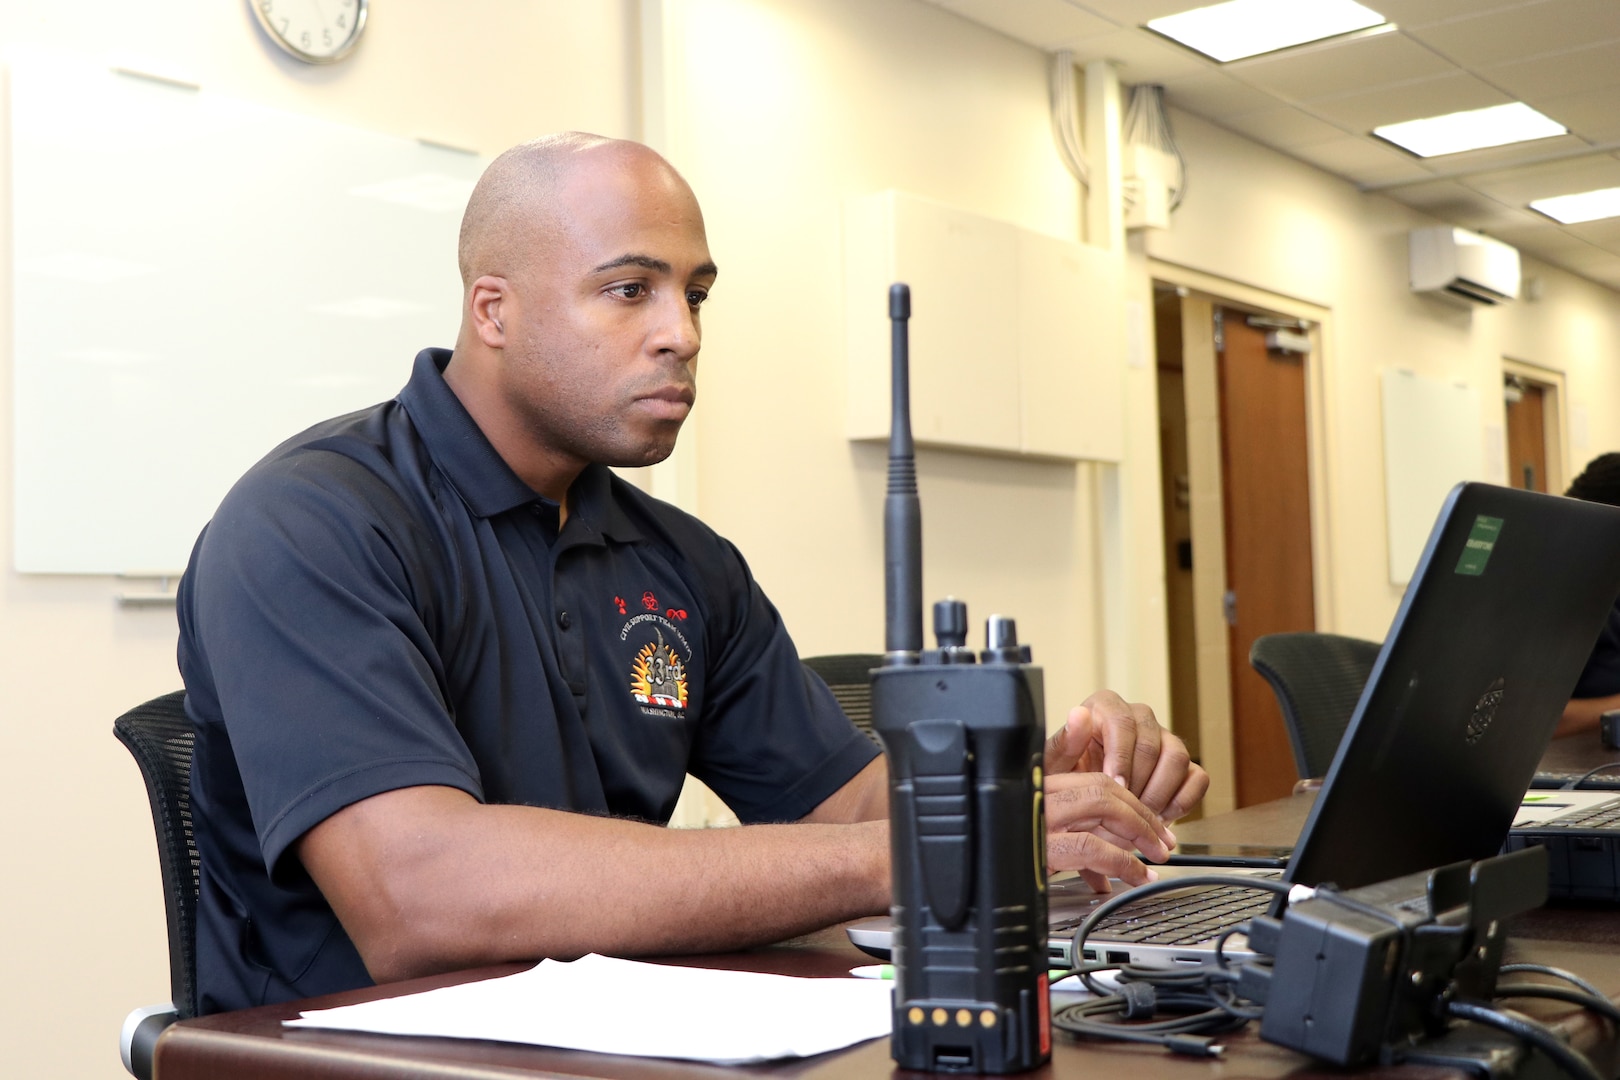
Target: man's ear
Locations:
point(487, 296)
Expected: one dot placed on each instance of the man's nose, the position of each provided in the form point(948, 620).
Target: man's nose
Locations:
point(677, 330)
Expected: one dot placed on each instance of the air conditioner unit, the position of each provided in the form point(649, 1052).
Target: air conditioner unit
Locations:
point(1464, 264)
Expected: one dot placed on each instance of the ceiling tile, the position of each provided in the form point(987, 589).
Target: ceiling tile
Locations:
point(1341, 67)
point(1137, 12)
point(1553, 75)
point(1495, 37)
point(1367, 109)
point(1593, 115)
point(1518, 186)
point(1215, 95)
point(1045, 24)
point(1419, 12)
point(1604, 234)
point(1459, 204)
point(1283, 127)
point(1360, 161)
point(1544, 241)
point(1142, 58)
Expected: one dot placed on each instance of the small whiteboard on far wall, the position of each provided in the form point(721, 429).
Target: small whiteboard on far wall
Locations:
point(1433, 440)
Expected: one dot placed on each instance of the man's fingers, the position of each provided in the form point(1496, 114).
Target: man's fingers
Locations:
point(1113, 722)
point(1099, 882)
point(1164, 778)
point(1090, 802)
point(1192, 790)
point(1093, 856)
point(1066, 749)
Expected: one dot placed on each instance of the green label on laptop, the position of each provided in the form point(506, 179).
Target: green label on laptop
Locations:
point(1481, 542)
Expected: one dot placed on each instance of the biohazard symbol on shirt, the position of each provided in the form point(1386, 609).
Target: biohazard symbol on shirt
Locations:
point(658, 677)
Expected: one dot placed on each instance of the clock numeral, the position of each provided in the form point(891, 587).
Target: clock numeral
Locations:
point(303, 39)
point(342, 22)
point(283, 26)
point(326, 39)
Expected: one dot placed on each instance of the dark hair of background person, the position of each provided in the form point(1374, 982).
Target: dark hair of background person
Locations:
point(1599, 481)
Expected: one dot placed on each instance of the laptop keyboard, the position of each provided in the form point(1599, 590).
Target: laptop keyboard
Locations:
point(1603, 815)
point(1183, 918)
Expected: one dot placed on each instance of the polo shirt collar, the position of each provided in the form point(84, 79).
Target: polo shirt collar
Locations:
point(483, 479)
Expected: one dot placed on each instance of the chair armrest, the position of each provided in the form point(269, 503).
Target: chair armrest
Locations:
point(139, 1036)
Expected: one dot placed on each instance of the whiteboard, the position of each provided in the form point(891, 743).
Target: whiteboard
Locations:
point(1433, 440)
point(196, 279)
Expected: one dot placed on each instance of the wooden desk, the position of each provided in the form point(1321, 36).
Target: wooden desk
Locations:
point(1573, 755)
point(252, 1044)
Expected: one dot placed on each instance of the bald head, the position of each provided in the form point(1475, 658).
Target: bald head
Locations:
point(517, 201)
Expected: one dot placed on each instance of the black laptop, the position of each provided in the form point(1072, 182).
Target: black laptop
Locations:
point(1507, 599)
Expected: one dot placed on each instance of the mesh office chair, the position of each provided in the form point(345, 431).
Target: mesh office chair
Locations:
point(159, 735)
point(1318, 678)
point(849, 675)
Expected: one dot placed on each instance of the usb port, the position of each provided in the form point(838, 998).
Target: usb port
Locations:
point(1090, 955)
point(1118, 956)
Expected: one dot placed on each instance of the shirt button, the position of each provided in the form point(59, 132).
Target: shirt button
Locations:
point(564, 619)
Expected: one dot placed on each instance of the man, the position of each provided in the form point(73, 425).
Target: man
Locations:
point(445, 668)
point(1598, 689)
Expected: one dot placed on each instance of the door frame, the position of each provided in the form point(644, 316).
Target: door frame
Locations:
point(1203, 292)
point(1555, 403)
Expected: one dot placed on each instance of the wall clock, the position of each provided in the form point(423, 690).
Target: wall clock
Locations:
point(314, 31)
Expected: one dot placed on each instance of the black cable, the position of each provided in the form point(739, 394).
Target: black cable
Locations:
point(1556, 973)
point(1601, 1005)
point(1588, 774)
point(1572, 1061)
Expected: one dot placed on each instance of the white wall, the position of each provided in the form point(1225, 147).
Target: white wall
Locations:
point(776, 109)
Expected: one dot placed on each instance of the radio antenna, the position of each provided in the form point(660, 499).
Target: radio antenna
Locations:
point(902, 513)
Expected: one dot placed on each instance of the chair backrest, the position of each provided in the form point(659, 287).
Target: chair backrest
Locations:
point(849, 675)
point(159, 735)
point(1318, 678)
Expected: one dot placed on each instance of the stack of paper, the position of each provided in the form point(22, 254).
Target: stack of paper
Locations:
point(649, 1010)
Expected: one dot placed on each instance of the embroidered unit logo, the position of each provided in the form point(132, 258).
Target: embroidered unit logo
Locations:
point(657, 677)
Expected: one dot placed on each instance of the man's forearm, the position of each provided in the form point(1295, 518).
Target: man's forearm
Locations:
point(427, 879)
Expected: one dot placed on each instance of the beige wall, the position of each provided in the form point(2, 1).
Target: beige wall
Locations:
point(775, 109)
point(81, 919)
point(1262, 220)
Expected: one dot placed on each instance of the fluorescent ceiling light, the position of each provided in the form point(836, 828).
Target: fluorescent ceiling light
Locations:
point(1240, 28)
point(1582, 206)
point(1471, 130)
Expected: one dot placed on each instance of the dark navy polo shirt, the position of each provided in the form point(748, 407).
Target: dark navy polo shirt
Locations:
point(1601, 677)
point(382, 603)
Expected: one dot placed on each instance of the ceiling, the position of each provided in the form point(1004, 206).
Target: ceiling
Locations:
point(1319, 102)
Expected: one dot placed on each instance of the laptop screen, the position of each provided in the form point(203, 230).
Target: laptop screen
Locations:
point(1501, 614)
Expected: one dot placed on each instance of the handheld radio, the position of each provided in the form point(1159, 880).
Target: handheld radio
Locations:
point(967, 825)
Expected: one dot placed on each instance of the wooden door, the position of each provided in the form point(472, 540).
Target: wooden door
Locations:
point(1527, 436)
point(1265, 481)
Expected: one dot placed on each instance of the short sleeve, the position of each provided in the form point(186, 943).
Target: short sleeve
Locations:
point(305, 608)
point(773, 742)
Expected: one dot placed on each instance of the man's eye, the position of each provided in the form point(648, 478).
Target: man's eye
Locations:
point(696, 297)
point(631, 290)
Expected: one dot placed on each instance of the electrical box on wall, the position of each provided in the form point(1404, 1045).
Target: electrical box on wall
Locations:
point(1018, 339)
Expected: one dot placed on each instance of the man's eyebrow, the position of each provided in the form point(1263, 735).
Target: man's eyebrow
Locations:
point(657, 266)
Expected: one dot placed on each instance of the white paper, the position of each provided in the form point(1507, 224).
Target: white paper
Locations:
point(648, 1010)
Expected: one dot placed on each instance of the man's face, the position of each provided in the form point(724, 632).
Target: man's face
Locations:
point(601, 325)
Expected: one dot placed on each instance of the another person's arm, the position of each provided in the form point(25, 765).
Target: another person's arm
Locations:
point(1581, 714)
